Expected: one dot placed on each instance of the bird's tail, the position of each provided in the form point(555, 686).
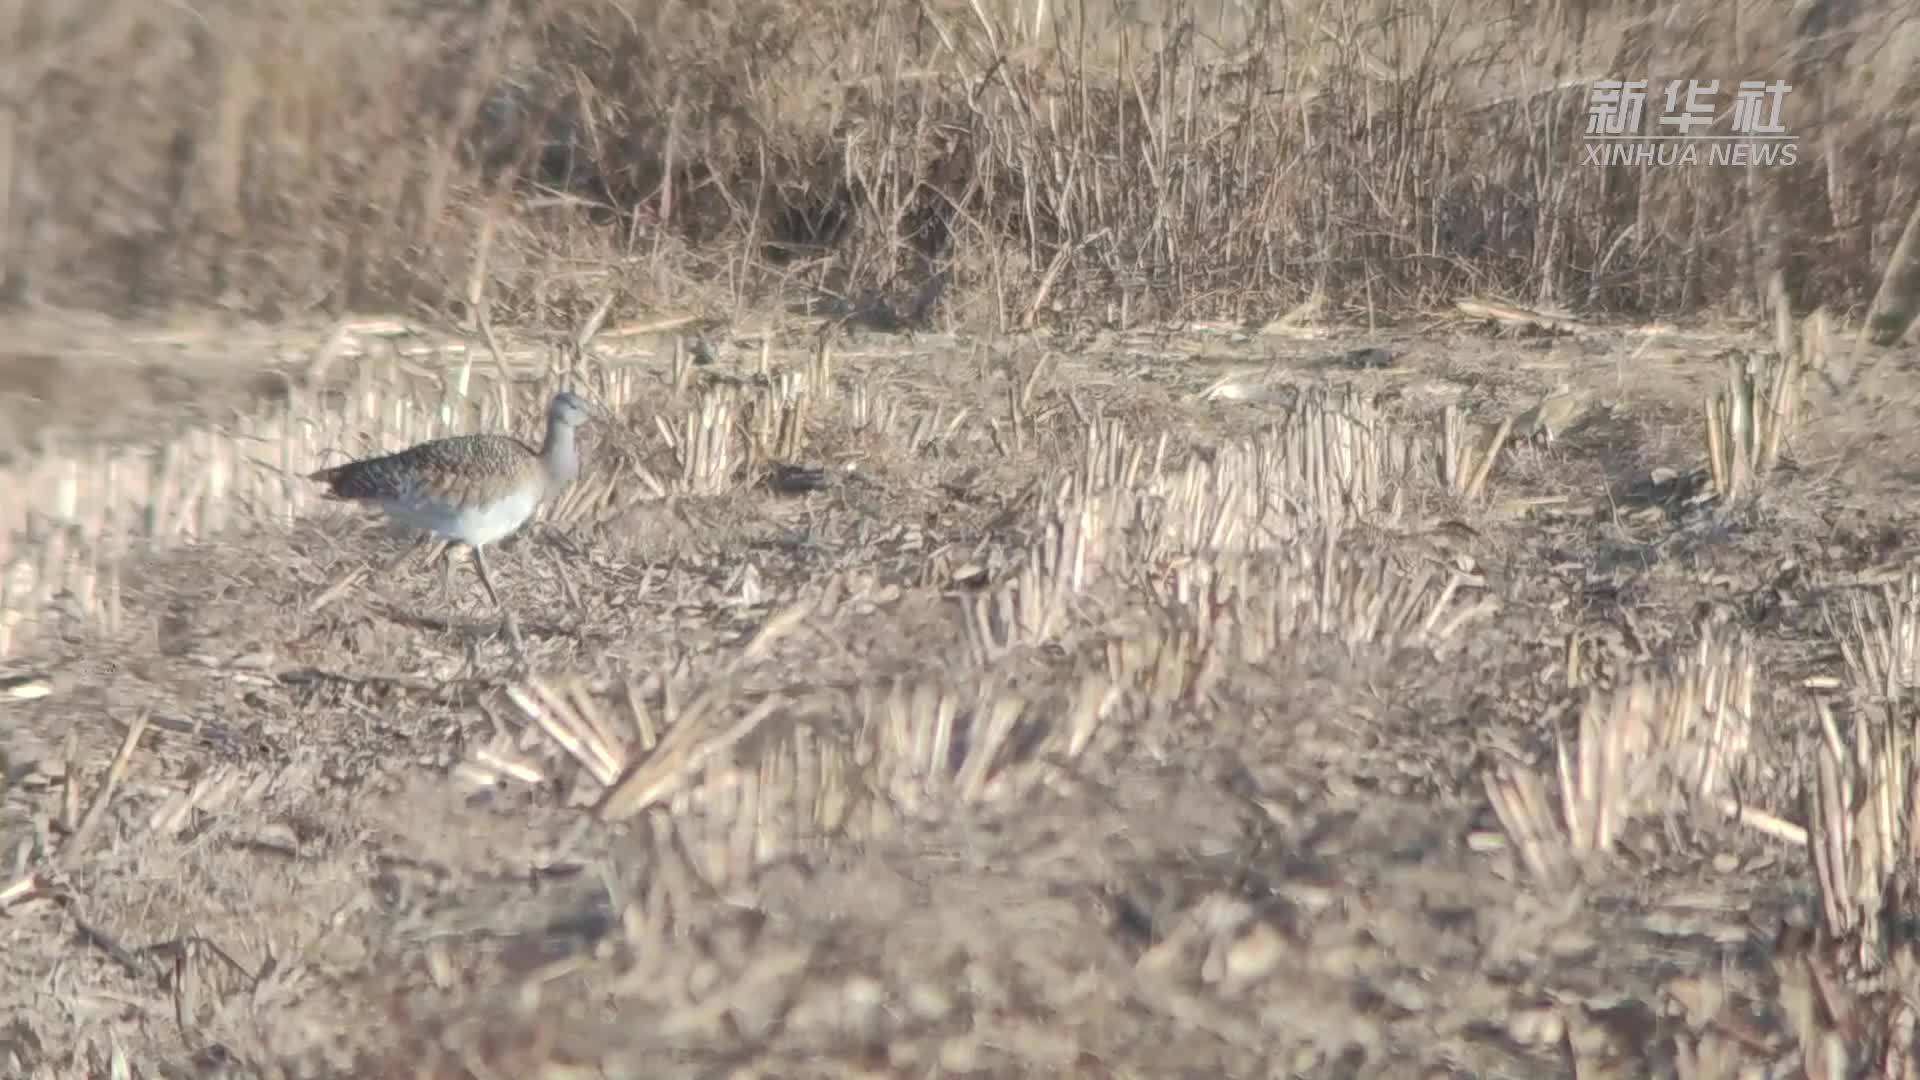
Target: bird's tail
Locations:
point(331, 477)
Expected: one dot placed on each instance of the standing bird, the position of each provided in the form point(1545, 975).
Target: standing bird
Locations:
point(471, 488)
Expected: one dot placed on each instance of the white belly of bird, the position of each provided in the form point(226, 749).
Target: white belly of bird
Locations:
point(475, 525)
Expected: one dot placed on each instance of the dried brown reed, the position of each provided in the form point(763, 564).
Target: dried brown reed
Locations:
point(1464, 468)
point(1746, 422)
point(1862, 830)
point(563, 162)
point(1332, 460)
point(1878, 631)
point(1250, 608)
point(1650, 737)
point(1864, 818)
point(746, 776)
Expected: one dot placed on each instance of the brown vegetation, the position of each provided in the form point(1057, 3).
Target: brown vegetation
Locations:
point(1012, 162)
point(994, 713)
point(1517, 696)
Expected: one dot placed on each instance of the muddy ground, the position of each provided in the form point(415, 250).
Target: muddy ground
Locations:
point(342, 847)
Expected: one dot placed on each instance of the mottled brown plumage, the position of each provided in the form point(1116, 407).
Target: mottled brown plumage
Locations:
point(462, 470)
point(472, 488)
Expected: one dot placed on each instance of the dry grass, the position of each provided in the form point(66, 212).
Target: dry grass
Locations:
point(987, 163)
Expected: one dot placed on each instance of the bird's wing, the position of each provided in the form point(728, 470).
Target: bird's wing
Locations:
point(452, 468)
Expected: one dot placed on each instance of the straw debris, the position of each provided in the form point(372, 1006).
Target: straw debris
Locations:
point(1653, 737)
point(1747, 421)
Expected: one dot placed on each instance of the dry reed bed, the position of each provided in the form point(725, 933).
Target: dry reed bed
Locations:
point(1864, 809)
point(76, 517)
point(79, 516)
point(1675, 736)
point(737, 779)
point(726, 774)
point(1651, 735)
point(1176, 159)
point(1243, 553)
point(1846, 988)
point(83, 514)
point(1149, 576)
point(1329, 462)
point(752, 766)
point(1251, 557)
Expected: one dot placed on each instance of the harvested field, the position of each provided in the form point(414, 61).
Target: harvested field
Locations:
point(1148, 704)
point(1087, 567)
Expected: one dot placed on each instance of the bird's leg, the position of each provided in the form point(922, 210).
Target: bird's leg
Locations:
point(446, 575)
point(512, 628)
point(480, 564)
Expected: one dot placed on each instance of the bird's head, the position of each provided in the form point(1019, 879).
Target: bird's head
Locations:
point(569, 410)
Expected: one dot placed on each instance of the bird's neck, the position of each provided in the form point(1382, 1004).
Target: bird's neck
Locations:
point(558, 456)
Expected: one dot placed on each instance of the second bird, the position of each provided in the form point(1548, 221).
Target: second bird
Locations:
point(471, 488)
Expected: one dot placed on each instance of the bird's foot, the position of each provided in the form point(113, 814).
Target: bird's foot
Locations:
point(519, 645)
